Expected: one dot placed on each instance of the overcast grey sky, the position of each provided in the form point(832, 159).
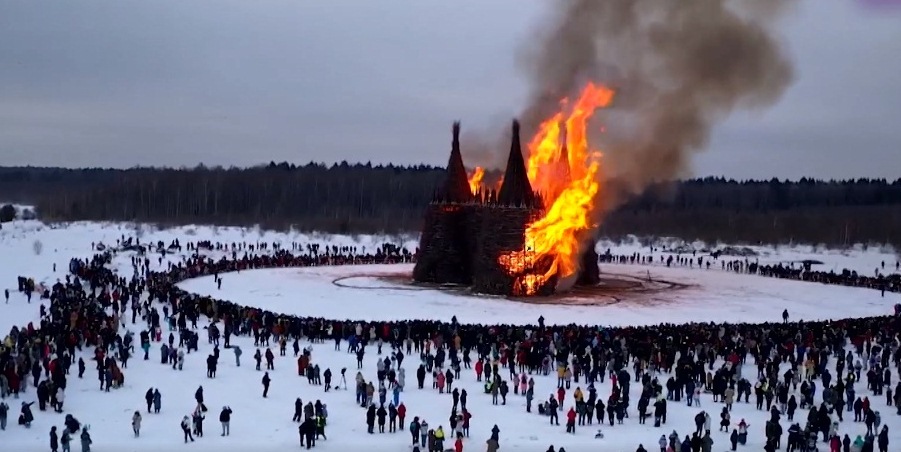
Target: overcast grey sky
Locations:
point(235, 82)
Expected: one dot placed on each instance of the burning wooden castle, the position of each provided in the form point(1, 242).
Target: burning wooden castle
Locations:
point(466, 234)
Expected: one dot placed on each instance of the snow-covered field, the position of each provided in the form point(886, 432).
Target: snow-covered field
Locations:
point(32, 249)
point(713, 295)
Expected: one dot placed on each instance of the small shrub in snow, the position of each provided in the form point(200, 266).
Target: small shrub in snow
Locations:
point(7, 213)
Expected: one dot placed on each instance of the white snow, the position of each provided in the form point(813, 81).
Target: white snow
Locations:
point(265, 424)
point(713, 295)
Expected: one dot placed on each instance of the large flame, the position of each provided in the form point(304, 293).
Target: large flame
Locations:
point(475, 179)
point(569, 184)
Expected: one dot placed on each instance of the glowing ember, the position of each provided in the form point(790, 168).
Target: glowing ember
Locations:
point(475, 179)
point(566, 174)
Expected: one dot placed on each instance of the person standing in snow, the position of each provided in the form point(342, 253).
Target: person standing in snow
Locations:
point(60, 399)
point(392, 418)
point(157, 401)
point(571, 421)
point(211, 366)
point(266, 380)
point(4, 412)
point(26, 417)
point(65, 440)
point(225, 418)
point(148, 397)
point(401, 414)
point(414, 430)
point(270, 359)
point(370, 419)
point(186, 429)
point(320, 421)
point(198, 419)
point(307, 430)
point(136, 423)
point(298, 410)
point(492, 446)
point(381, 414)
point(54, 439)
point(86, 440)
point(238, 352)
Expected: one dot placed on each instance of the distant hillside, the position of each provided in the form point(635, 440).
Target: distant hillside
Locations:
point(365, 198)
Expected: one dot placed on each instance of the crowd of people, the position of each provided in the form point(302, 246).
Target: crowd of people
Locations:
point(827, 368)
point(886, 277)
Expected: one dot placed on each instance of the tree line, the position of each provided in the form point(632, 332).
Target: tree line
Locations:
point(366, 198)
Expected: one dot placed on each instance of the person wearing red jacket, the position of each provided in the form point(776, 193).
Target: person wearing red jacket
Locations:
point(401, 414)
point(466, 417)
point(835, 444)
point(458, 445)
point(479, 368)
point(571, 420)
point(561, 393)
point(440, 379)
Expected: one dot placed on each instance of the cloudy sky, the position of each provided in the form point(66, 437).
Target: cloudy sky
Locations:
point(236, 82)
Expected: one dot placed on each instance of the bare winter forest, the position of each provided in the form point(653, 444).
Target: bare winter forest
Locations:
point(359, 198)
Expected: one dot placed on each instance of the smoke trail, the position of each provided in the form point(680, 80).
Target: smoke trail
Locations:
point(679, 67)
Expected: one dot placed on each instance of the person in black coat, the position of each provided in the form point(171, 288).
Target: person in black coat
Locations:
point(211, 366)
point(882, 439)
point(225, 417)
point(307, 432)
point(26, 417)
point(54, 439)
point(420, 376)
point(298, 411)
point(370, 419)
point(148, 397)
point(266, 380)
point(381, 414)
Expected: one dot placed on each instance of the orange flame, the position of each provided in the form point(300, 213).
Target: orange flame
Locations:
point(475, 179)
point(569, 184)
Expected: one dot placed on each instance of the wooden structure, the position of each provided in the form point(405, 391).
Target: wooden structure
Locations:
point(465, 234)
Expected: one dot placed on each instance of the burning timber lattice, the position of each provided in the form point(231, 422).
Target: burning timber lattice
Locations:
point(468, 238)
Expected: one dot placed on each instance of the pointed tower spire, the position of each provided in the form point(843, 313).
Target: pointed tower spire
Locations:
point(456, 185)
point(516, 189)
